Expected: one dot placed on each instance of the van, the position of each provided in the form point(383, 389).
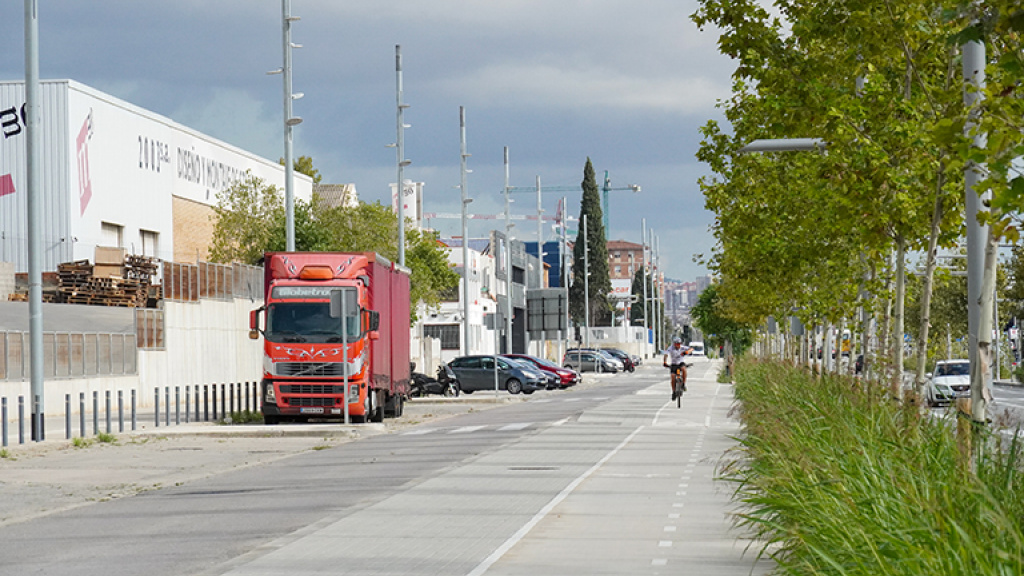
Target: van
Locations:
point(697, 348)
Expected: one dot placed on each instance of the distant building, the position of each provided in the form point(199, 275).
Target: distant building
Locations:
point(624, 259)
point(332, 195)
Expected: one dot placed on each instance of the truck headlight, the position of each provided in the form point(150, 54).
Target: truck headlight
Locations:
point(270, 397)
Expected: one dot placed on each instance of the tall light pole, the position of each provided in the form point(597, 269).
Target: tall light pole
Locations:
point(400, 146)
point(465, 232)
point(508, 262)
point(33, 124)
point(289, 122)
point(977, 234)
point(586, 286)
point(643, 252)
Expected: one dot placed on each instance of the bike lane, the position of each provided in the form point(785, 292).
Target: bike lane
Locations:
point(625, 488)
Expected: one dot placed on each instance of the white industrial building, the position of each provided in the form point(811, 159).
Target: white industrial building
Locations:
point(114, 174)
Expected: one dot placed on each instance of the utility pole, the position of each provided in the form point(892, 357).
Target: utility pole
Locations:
point(289, 122)
point(508, 262)
point(465, 233)
point(402, 162)
point(33, 126)
point(977, 235)
point(643, 252)
point(586, 286)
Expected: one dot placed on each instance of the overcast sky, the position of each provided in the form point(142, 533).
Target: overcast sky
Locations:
point(627, 84)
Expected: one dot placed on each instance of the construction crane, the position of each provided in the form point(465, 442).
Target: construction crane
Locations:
point(604, 196)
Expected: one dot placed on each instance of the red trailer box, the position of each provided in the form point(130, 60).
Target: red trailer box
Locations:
point(314, 351)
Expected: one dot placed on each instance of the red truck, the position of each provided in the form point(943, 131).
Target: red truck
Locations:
point(332, 318)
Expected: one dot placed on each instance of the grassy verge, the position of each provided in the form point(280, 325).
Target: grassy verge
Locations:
point(844, 481)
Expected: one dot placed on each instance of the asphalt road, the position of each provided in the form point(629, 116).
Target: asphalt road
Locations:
point(464, 493)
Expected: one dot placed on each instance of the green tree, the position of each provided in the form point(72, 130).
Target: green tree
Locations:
point(599, 284)
point(251, 221)
point(304, 165)
point(246, 215)
point(715, 323)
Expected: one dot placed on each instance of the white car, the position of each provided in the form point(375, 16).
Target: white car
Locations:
point(950, 380)
point(697, 347)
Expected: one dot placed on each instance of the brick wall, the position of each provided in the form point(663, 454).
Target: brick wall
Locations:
point(193, 230)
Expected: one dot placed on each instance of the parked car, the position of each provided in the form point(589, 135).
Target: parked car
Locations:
point(590, 361)
point(550, 380)
point(566, 377)
point(477, 373)
point(950, 380)
point(626, 359)
point(697, 348)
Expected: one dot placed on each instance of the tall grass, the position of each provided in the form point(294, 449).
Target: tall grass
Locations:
point(838, 480)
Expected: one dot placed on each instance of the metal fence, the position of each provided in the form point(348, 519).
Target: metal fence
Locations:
point(69, 355)
point(190, 282)
point(171, 406)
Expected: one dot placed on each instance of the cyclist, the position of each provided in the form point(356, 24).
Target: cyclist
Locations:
point(674, 360)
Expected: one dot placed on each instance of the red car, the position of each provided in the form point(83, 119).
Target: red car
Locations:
point(566, 377)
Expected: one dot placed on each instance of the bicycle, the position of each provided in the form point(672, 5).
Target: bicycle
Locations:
point(679, 384)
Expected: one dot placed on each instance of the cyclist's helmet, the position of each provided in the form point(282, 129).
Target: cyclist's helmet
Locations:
point(677, 340)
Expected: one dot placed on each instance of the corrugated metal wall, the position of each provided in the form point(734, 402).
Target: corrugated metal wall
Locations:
point(55, 158)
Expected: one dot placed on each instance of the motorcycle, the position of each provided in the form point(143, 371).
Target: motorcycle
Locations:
point(445, 384)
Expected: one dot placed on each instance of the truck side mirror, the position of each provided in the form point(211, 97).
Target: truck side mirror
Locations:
point(254, 323)
point(374, 321)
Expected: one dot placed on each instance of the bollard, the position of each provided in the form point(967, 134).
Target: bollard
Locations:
point(67, 416)
point(156, 406)
point(206, 403)
point(196, 392)
point(133, 410)
point(120, 410)
point(188, 408)
point(246, 396)
point(106, 409)
point(3, 416)
point(223, 401)
point(81, 414)
point(21, 419)
point(231, 388)
point(95, 412)
point(167, 405)
point(214, 400)
point(177, 405)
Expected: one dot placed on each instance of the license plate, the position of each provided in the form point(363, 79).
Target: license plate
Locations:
point(311, 410)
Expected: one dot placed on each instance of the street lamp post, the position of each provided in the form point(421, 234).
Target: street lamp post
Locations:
point(508, 262)
point(400, 151)
point(289, 122)
point(465, 233)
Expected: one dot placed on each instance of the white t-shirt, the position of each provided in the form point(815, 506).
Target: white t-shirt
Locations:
point(676, 355)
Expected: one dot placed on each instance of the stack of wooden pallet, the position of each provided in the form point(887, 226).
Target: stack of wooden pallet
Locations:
point(78, 285)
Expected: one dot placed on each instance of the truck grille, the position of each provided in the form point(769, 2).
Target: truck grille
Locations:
point(311, 389)
point(310, 369)
point(293, 401)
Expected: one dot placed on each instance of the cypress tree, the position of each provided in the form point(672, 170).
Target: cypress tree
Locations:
point(600, 284)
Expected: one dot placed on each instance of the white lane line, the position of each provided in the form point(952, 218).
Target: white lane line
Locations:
point(670, 528)
point(659, 562)
point(525, 529)
point(419, 432)
point(516, 426)
point(466, 429)
point(560, 422)
point(665, 544)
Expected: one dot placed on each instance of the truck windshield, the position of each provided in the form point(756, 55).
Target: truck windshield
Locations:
point(309, 322)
